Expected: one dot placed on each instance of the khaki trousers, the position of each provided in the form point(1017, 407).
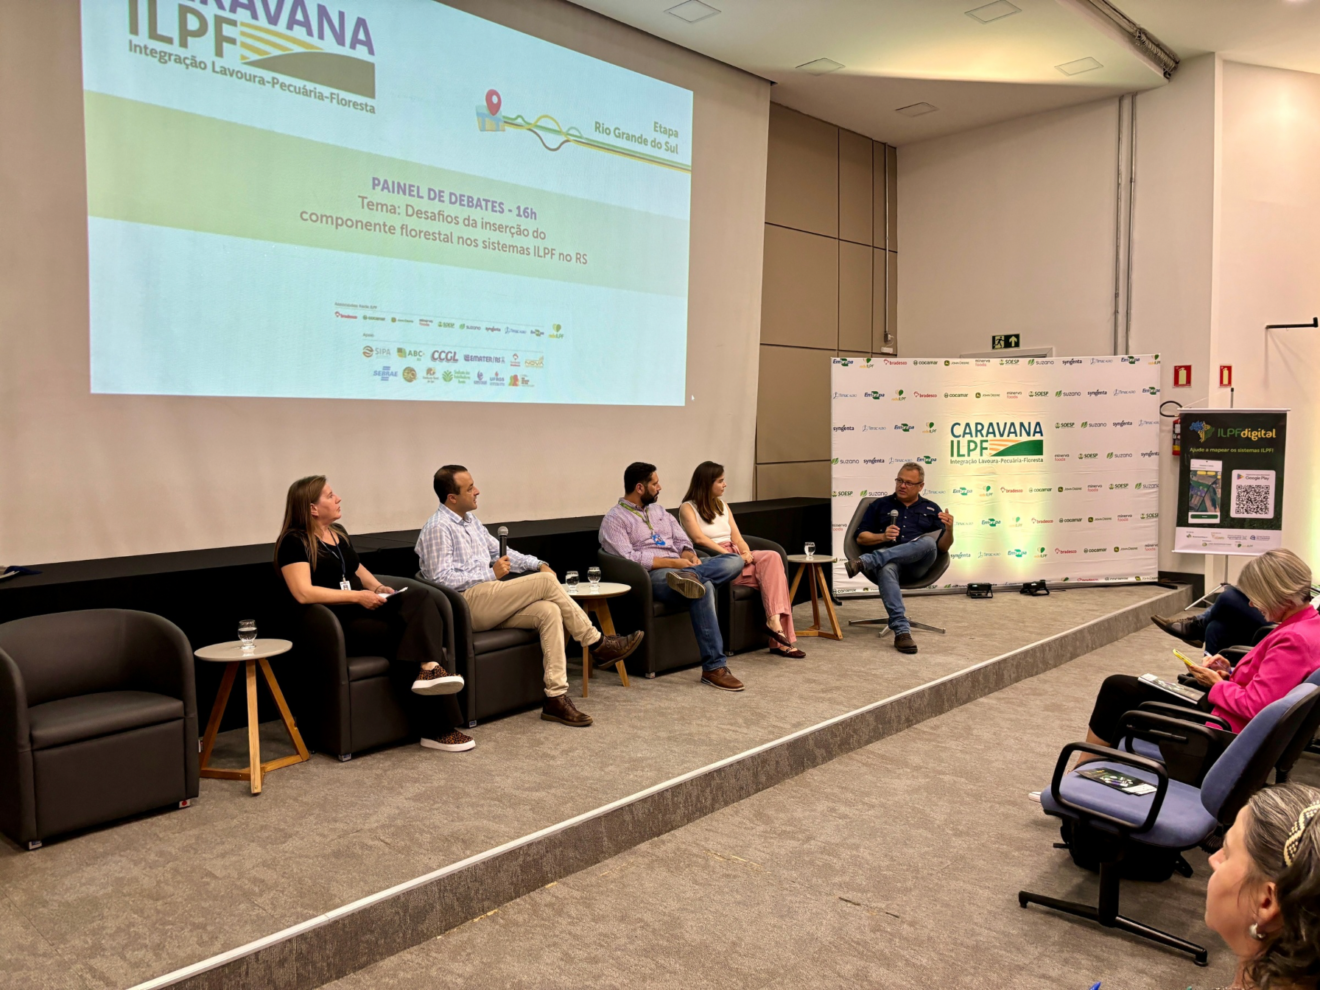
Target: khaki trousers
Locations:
point(534, 601)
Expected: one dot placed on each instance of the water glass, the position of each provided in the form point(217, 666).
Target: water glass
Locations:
point(247, 634)
point(809, 549)
point(593, 576)
point(571, 581)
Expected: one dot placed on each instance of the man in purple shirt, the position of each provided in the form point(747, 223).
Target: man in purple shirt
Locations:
point(645, 533)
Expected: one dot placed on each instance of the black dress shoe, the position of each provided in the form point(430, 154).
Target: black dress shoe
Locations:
point(1190, 630)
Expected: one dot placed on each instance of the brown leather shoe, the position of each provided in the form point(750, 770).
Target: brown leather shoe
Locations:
point(904, 643)
point(722, 679)
point(609, 650)
point(1189, 630)
point(561, 710)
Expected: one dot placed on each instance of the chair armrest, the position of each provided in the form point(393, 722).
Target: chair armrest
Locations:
point(757, 543)
point(446, 607)
point(1234, 654)
point(458, 640)
point(18, 817)
point(1162, 728)
point(1186, 714)
point(634, 610)
point(1113, 756)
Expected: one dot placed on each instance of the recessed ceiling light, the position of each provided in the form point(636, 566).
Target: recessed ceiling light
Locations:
point(993, 11)
point(917, 109)
point(820, 66)
point(1078, 66)
point(692, 11)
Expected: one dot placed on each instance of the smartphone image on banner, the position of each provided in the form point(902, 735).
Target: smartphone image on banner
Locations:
point(1203, 492)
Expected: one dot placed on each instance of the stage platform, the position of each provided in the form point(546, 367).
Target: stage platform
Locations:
point(337, 866)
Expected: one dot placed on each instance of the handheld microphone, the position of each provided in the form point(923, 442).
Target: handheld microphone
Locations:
point(503, 533)
point(893, 517)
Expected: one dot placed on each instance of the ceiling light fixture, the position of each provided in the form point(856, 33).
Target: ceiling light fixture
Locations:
point(1113, 22)
point(692, 11)
point(993, 11)
point(820, 66)
point(917, 109)
point(1077, 66)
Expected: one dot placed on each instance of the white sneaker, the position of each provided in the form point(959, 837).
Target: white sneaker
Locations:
point(1034, 795)
point(437, 680)
point(454, 742)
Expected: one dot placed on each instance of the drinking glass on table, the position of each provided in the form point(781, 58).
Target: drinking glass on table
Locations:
point(593, 577)
point(571, 582)
point(247, 634)
point(809, 549)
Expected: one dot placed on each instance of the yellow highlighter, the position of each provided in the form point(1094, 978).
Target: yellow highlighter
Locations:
point(1184, 659)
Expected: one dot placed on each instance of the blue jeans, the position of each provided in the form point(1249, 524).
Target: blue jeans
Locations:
point(712, 572)
point(891, 565)
point(1230, 621)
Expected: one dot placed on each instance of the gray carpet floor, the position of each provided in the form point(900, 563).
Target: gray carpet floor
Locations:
point(895, 866)
point(119, 905)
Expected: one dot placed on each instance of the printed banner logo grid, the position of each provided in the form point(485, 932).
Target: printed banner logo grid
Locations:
point(1050, 467)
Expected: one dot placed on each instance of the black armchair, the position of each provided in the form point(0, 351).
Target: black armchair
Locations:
point(669, 642)
point(349, 704)
point(98, 720)
point(503, 668)
point(741, 614)
point(851, 548)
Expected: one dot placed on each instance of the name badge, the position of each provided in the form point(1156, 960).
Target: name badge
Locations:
point(658, 540)
point(345, 586)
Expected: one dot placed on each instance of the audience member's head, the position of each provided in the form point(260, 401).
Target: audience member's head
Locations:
point(1264, 894)
point(705, 490)
point(1277, 583)
point(639, 478)
point(455, 489)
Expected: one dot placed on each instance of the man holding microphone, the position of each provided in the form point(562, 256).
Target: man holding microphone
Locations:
point(457, 551)
point(908, 532)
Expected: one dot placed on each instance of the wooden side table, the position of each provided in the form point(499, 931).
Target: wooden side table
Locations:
point(596, 601)
point(814, 568)
point(233, 657)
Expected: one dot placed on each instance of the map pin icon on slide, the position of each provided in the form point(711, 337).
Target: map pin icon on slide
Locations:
point(493, 102)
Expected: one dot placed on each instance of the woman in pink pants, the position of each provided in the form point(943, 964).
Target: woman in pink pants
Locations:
point(709, 523)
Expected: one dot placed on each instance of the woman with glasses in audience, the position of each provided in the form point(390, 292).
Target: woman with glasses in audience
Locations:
point(709, 523)
point(1263, 897)
point(318, 563)
point(1278, 583)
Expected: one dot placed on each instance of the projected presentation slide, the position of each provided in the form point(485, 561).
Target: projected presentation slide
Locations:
point(369, 199)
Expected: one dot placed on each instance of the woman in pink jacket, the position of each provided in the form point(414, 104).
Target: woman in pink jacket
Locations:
point(1278, 583)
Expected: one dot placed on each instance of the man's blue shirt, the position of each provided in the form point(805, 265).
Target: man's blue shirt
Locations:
point(915, 520)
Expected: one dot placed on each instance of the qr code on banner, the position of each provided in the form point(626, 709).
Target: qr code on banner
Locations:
point(1253, 495)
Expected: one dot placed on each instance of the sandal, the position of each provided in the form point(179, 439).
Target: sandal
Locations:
point(792, 653)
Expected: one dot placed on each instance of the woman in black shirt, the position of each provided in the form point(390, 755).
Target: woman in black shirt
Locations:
point(320, 567)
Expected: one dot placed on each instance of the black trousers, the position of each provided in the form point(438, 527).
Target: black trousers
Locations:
point(1122, 693)
point(409, 630)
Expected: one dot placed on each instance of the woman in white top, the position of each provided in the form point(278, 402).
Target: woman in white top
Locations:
point(709, 523)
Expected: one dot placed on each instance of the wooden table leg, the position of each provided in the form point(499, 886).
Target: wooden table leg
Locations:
point(797, 579)
point(217, 712)
point(829, 607)
point(815, 602)
point(254, 728)
point(602, 611)
point(586, 669)
point(289, 724)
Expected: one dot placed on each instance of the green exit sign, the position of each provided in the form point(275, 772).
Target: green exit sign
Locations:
point(1000, 341)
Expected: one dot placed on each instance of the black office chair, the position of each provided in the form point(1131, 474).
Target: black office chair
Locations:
point(937, 569)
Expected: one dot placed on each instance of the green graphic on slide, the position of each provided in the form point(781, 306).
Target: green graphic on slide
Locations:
point(192, 172)
point(274, 51)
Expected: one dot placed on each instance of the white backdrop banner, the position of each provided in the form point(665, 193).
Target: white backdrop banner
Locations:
point(1049, 466)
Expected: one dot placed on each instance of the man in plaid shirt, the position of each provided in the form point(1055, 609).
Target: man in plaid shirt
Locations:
point(457, 551)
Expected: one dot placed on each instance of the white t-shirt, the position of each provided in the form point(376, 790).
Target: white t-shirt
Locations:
point(718, 530)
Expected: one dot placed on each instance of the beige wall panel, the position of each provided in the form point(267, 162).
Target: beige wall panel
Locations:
point(891, 184)
point(793, 405)
point(891, 308)
point(879, 224)
point(802, 173)
point(855, 187)
point(855, 296)
point(879, 311)
point(800, 289)
point(810, 479)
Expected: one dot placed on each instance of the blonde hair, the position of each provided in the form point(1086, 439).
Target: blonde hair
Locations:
point(1276, 581)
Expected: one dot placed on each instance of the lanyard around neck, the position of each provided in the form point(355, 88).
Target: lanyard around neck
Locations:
point(640, 513)
point(343, 564)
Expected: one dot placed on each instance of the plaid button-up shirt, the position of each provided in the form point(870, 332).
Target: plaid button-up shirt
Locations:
point(457, 551)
